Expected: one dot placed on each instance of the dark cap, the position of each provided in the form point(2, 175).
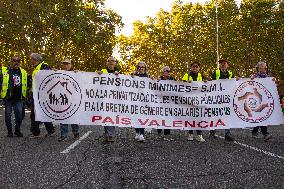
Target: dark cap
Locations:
point(195, 63)
point(223, 61)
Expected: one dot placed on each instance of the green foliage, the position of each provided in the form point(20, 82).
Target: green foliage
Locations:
point(247, 34)
point(84, 32)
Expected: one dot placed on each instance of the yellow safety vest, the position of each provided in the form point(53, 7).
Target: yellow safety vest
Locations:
point(104, 71)
point(37, 69)
point(185, 77)
point(6, 79)
point(218, 74)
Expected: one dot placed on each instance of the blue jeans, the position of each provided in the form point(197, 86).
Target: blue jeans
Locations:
point(18, 111)
point(64, 129)
point(109, 130)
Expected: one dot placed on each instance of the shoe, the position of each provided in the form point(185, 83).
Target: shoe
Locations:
point(110, 139)
point(190, 137)
point(10, 134)
point(200, 138)
point(213, 134)
point(148, 130)
point(50, 134)
point(137, 136)
point(141, 138)
point(254, 135)
point(267, 137)
point(62, 139)
point(35, 136)
point(18, 133)
point(76, 135)
point(229, 137)
point(168, 138)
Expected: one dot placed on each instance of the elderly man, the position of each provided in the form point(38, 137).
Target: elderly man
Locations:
point(36, 61)
point(14, 90)
point(110, 68)
point(223, 73)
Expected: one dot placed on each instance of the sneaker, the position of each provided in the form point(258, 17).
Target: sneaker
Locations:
point(141, 138)
point(200, 138)
point(110, 139)
point(137, 136)
point(148, 130)
point(62, 139)
point(18, 133)
point(190, 137)
point(10, 134)
point(229, 137)
point(213, 134)
point(76, 135)
point(168, 138)
point(267, 137)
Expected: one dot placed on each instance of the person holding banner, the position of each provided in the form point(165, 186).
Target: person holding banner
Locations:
point(110, 68)
point(67, 66)
point(14, 90)
point(194, 75)
point(166, 76)
point(36, 61)
point(223, 73)
point(141, 71)
point(262, 72)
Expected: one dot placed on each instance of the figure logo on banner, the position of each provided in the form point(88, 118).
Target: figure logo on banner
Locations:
point(62, 96)
point(253, 103)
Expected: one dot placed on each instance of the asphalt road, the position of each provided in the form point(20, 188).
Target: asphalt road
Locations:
point(46, 163)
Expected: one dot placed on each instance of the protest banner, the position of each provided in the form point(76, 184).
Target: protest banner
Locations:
point(87, 98)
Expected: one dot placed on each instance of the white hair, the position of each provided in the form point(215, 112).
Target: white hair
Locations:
point(37, 57)
point(260, 63)
point(166, 68)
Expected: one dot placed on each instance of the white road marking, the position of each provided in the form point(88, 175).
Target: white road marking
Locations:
point(69, 148)
point(255, 149)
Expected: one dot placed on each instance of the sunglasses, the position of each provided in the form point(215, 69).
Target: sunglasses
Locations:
point(167, 71)
point(141, 66)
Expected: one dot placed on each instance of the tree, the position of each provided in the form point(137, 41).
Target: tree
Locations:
point(81, 30)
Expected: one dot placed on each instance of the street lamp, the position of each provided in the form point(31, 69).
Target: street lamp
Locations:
point(217, 35)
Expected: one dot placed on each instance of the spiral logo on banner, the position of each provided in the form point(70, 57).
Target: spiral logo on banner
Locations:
point(62, 96)
point(253, 103)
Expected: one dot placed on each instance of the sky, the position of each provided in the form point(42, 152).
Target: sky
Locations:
point(132, 10)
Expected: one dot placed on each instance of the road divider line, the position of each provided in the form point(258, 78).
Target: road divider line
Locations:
point(72, 146)
point(255, 149)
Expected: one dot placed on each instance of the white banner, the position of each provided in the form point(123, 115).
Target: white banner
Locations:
point(90, 99)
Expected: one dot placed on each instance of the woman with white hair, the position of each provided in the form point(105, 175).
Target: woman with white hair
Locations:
point(140, 71)
point(261, 72)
